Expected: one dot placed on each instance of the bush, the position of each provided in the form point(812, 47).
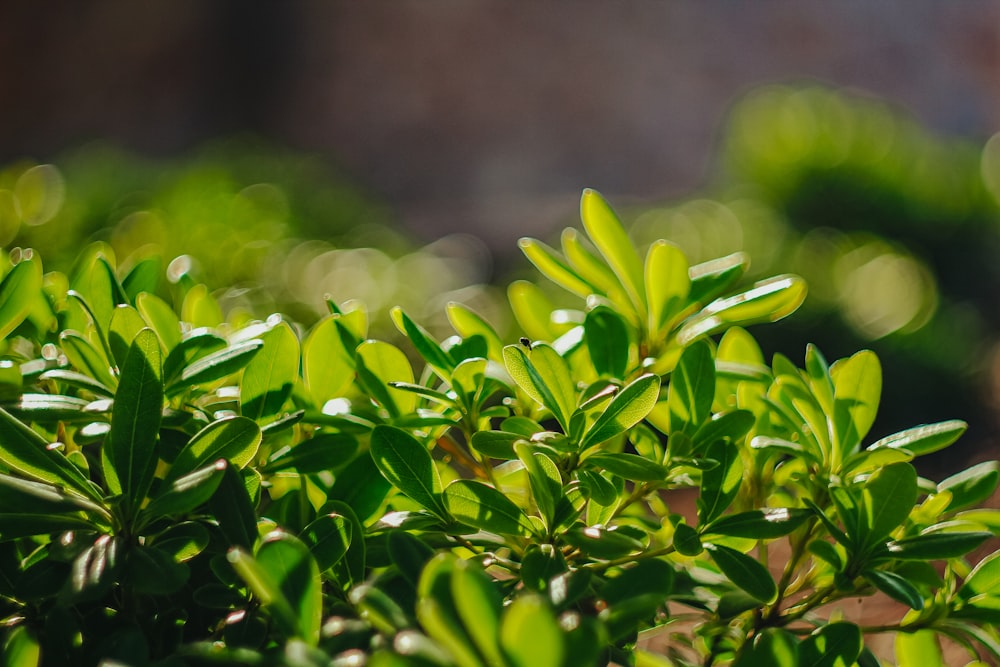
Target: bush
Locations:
point(178, 489)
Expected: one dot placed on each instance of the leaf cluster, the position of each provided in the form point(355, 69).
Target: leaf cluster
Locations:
point(178, 488)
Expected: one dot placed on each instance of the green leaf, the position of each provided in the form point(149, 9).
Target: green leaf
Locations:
point(833, 645)
point(606, 336)
point(18, 289)
point(49, 408)
point(215, 366)
point(130, 452)
point(15, 525)
point(545, 376)
point(379, 363)
point(79, 381)
point(937, 546)
point(554, 267)
point(408, 466)
point(767, 301)
point(888, 498)
point(897, 587)
point(438, 614)
point(328, 538)
point(543, 478)
point(183, 541)
point(22, 495)
point(352, 568)
point(327, 366)
point(469, 323)
point(126, 323)
point(285, 577)
point(601, 542)
point(322, 451)
point(719, 485)
point(232, 508)
point(868, 460)
point(269, 376)
point(185, 494)
point(233, 438)
point(732, 425)
point(607, 233)
point(626, 409)
point(94, 280)
point(532, 310)
point(530, 636)
point(760, 524)
point(29, 454)
point(712, 278)
point(628, 466)
point(924, 439)
point(200, 309)
point(478, 604)
point(191, 347)
point(152, 571)
point(692, 389)
point(161, 317)
point(667, 284)
point(918, 648)
point(745, 572)
point(858, 388)
point(984, 579)
point(479, 505)
point(87, 359)
point(20, 649)
point(772, 647)
point(425, 345)
point(972, 485)
point(143, 277)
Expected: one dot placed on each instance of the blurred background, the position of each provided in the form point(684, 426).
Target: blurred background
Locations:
point(394, 152)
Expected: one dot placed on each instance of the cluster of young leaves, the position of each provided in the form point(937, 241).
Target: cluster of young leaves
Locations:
point(180, 489)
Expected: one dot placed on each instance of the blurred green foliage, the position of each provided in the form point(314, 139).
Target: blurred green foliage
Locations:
point(271, 230)
point(894, 228)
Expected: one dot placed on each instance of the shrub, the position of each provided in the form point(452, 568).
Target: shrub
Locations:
point(177, 489)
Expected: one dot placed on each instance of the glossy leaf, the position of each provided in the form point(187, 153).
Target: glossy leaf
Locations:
point(626, 409)
point(889, 496)
point(126, 323)
point(529, 633)
point(328, 538)
point(628, 466)
point(327, 366)
point(667, 283)
point(936, 546)
point(408, 466)
point(767, 301)
point(607, 233)
point(234, 438)
point(87, 359)
point(479, 505)
point(17, 291)
point(215, 366)
point(972, 485)
point(232, 508)
point(692, 388)
point(895, 586)
point(744, 571)
point(160, 316)
point(545, 376)
point(469, 323)
point(544, 479)
point(28, 454)
point(762, 524)
point(22, 495)
point(554, 267)
point(719, 485)
point(858, 389)
point(925, 439)
point(606, 335)
point(380, 363)
point(269, 376)
point(186, 494)
point(833, 645)
point(130, 452)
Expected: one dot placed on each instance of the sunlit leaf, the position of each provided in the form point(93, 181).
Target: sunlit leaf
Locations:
point(607, 233)
point(270, 374)
point(626, 409)
point(479, 505)
point(408, 466)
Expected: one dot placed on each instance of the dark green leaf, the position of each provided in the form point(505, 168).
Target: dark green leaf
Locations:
point(762, 524)
point(482, 506)
point(544, 480)
point(21, 495)
point(833, 645)
point(130, 452)
point(896, 587)
point(628, 466)
point(692, 389)
point(426, 346)
point(152, 571)
point(361, 486)
point(195, 345)
point(183, 541)
point(352, 568)
point(408, 466)
point(185, 494)
point(935, 546)
point(719, 485)
point(29, 454)
point(328, 538)
point(732, 425)
point(496, 444)
point(602, 543)
point(745, 572)
point(87, 359)
point(233, 438)
point(232, 508)
point(323, 451)
point(144, 276)
point(889, 496)
point(409, 554)
point(606, 336)
point(215, 366)
point(772, 647)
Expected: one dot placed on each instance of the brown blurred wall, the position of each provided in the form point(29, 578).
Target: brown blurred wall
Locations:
point(475, 115)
